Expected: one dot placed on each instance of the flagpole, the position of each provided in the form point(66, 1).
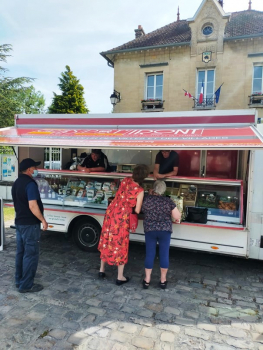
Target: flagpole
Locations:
point(219, 87)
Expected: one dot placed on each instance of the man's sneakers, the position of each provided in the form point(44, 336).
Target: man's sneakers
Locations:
point(35, 288)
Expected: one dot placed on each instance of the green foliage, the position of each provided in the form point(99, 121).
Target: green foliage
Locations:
point(31, 101)
point(6, 150)
point(71, 101)
point(15, 96)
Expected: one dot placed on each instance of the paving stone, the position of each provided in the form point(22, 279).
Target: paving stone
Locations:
point(233, 332)
point(144, 313)
point(93, 302)
point(241, 325)
point(163, 346)
point(71, 325)
point(221, 294)
point(206, 326)
point(148, 332)
point(184, 321)
point(128, 327)
point(239, 343)
point(191, 314)
point(96, 311)
point(210, 282)
point(122, 337)
point(169, 327)
point(197, 333)
point(57, 333)
point(167, 337)
point(143, 342)
point(118, 346)
point(103, 333)
point(214, 346)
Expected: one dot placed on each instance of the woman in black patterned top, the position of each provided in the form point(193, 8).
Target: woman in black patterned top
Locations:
point(158, 211)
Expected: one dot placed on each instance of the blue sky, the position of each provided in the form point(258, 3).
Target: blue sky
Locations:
point(47, 35)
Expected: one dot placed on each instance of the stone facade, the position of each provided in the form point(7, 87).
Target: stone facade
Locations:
point(232, 60)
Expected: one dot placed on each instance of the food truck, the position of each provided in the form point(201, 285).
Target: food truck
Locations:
point(220, 170)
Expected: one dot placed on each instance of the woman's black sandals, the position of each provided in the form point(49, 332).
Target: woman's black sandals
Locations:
point(102, 274)
point(120, 282)
point(145, 284)
point(163, 285)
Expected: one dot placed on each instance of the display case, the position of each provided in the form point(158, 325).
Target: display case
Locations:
point(223, 198)
point(78, 189)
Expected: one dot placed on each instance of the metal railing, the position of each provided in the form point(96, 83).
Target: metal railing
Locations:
point(208, 103)
point(256, 100)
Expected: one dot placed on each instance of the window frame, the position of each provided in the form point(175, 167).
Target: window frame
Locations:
point(257, 64)
point(205, 81)
point(146, 85)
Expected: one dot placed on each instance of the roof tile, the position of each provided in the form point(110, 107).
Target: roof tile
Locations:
point(242, 23)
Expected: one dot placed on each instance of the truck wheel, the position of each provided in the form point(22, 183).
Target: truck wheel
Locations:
point(86, 235)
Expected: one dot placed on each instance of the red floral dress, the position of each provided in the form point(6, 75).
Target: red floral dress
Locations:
point(114, 239)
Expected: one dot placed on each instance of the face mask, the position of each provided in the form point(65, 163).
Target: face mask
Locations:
point(35, 173)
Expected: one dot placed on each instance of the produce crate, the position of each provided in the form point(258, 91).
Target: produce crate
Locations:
point(189, 193)
point(172, 191)
point(207, 199)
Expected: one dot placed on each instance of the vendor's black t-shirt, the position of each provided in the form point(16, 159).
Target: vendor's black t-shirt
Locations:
point(103, 162)
point(167, 164)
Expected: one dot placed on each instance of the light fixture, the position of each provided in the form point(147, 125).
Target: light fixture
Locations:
point(115, 97)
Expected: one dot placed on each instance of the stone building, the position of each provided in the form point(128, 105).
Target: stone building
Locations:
point(197, 55)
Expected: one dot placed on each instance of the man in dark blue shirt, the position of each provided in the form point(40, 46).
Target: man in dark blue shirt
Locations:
point(166, 164)
point(29, 214)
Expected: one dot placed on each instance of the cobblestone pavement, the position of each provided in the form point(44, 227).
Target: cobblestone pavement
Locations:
point(212, 302)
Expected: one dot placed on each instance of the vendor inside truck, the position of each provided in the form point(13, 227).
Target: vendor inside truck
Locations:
point(97, 161)
point(166, 164)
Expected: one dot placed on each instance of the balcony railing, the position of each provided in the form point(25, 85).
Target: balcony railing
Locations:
point(256, 100)
point(152, 106)
point(208, 103)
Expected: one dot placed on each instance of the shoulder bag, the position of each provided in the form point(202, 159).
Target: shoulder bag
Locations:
point(197, 215)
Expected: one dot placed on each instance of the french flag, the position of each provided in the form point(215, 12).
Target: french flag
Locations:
point(201, 96)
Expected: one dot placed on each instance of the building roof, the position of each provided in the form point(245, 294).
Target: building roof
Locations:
point(244, 23)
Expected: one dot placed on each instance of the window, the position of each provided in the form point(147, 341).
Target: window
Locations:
point(207, 29)
point(257, 80)
point(154, 86)
point(52, 158)
point(207, 77)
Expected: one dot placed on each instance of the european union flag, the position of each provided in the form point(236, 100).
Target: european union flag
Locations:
point(217, 94)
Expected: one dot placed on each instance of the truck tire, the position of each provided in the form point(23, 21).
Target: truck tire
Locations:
point(86, 234)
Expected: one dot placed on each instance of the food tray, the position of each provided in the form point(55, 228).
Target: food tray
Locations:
point(189, 193)
point(207, 199)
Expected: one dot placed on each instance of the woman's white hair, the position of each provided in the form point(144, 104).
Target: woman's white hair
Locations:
point(159, 187)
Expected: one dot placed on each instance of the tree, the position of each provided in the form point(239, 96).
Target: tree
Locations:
point(72, 99)
point(31, 101)
point(15, 96)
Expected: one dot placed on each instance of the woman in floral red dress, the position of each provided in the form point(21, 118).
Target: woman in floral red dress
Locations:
point(114, 239)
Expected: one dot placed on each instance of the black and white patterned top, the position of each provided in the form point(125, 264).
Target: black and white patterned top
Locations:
point(157, 211)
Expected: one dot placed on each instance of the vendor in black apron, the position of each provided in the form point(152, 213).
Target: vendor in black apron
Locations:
point(166, 164)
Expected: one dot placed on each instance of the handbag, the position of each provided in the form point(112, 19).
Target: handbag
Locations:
point(133, 222)
point(197, 215)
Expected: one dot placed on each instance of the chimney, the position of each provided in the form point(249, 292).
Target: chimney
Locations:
point(139, 32)
point(178, 15)
point(221, 3)
point(249, 5)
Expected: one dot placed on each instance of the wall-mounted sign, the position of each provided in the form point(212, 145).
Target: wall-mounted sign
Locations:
point(206, 56)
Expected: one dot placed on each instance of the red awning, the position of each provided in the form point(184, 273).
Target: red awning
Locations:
point(245, 137)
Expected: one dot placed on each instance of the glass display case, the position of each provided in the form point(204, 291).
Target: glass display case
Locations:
point(223, 198)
